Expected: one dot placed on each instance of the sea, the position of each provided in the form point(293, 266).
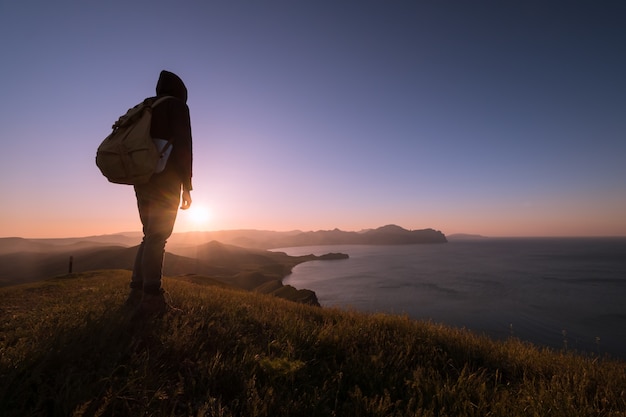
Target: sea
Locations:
point(562, 293)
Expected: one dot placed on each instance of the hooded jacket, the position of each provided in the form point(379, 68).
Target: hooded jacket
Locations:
point(170, 120)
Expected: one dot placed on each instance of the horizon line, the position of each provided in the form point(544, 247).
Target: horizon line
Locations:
point(462, 235)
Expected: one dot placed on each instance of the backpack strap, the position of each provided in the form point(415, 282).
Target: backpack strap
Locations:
point(160, 100)
point(169, 141)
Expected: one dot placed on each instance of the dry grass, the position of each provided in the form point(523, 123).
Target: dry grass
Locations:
point(68, 348)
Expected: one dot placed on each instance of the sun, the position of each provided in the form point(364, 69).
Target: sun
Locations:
point(198, 216)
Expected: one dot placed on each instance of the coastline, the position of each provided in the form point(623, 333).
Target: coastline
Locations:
point(532, 289)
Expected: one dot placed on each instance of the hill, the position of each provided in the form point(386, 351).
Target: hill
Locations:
point(249, 269)
point(68, 348)
point(29, 266)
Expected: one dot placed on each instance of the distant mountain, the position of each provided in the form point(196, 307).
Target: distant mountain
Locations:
point(181, 243)
point(465, 236)
point(17, 244)
point(395, 235)
point(386, 235)
point(240, 258)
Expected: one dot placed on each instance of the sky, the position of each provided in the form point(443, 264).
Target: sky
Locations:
point(499, 118)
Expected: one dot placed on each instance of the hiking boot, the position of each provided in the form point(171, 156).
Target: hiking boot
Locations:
point(134, 298)
point(151, 305)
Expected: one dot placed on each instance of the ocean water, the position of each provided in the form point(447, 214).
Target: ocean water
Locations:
point(561, 293)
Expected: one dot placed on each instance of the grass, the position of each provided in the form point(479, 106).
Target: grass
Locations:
point(67, 348)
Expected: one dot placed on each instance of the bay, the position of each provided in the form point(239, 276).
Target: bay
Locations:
point(561, 293)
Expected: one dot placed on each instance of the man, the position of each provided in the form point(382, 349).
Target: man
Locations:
point(159, 199)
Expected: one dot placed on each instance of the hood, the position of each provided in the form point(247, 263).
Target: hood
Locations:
point(170, 84)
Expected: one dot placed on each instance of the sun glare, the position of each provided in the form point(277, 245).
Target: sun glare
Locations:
point(198, 216)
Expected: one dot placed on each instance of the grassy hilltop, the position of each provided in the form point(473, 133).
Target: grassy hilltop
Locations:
point(67, 348)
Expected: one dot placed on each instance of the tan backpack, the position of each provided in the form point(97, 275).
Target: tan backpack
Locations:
point(129, 154)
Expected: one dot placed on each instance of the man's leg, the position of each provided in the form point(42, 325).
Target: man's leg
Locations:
point(136, 283)
point(157, 229)
point(158, 203)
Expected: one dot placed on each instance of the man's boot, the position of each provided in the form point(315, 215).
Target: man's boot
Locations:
point(134, 298)
point(152, 304)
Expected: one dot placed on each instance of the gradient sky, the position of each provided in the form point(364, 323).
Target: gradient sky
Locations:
point(502, 118)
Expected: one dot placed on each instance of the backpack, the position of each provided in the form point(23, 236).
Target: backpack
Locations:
point(129, 154)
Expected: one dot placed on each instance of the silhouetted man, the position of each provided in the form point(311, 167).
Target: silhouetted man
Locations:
point(159, 199)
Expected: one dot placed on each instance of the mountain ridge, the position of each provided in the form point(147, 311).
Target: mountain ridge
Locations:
point(249, 238)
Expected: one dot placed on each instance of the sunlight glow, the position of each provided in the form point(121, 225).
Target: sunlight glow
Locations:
point(197, 217)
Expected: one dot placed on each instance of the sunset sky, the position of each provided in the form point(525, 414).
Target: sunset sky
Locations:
point(501, 118)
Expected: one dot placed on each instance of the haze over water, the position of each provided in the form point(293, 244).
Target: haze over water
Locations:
point(553, 292)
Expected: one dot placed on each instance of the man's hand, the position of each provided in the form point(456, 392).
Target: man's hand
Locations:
point(186, 200)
